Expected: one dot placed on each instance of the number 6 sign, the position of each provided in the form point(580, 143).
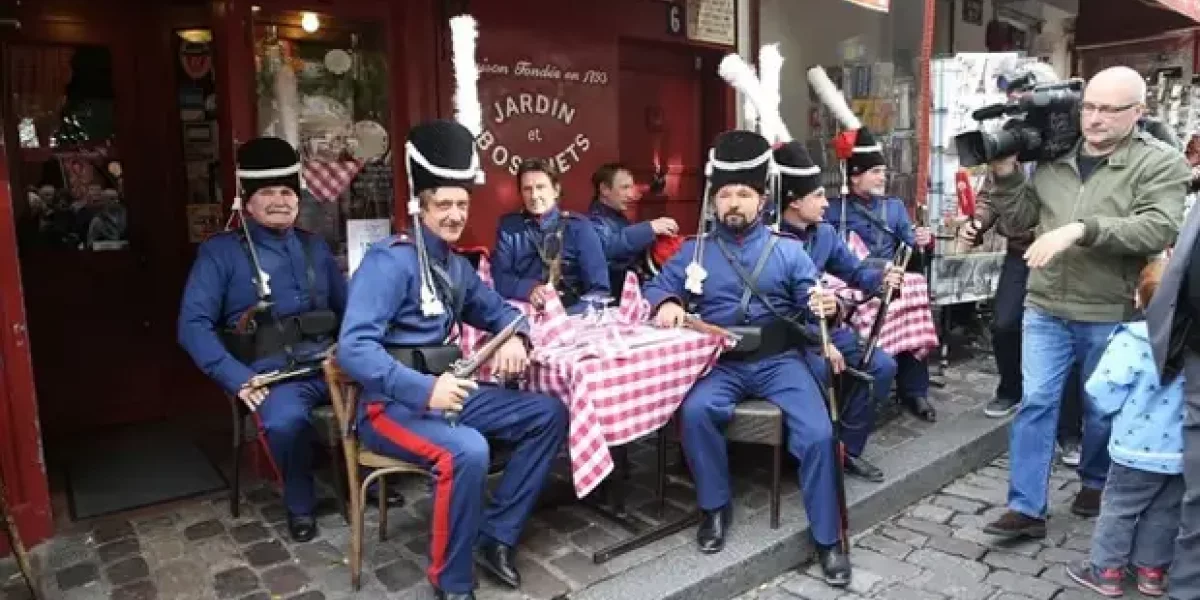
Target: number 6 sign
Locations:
point(675, 19)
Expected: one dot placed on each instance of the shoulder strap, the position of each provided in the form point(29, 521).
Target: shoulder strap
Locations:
point(456, 294)
point(876, 221)
point(753, 289)
point(310, 271)
point(754, 275)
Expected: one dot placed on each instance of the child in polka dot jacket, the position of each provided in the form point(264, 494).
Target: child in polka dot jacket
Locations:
point(1139, 513)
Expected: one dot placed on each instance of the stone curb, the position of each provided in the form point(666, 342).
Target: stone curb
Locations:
point(755, 554)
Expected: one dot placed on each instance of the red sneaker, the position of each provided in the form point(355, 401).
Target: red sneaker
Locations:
point(1106, 582)
point(1152, 581)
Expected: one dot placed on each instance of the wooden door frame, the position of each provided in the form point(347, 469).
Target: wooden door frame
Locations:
point(21, 459)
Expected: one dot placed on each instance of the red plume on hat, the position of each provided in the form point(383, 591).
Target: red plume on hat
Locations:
point(832, 98)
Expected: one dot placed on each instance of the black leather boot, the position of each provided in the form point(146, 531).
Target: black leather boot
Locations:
point(835, 565)
point(711, 533)
point(302, 528)
point(859, 467)
point(440, 595)
point(499, 560)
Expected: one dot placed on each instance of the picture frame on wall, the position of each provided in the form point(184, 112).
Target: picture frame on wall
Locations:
point(973, 12)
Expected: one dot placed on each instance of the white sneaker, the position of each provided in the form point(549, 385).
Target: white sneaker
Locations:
point(1070, 453)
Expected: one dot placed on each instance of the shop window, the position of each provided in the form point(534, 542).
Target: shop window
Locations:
point(322, 84)
point(196, 98)
point(67, 166)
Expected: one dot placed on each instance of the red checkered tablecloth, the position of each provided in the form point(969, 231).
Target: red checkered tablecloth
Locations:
point(620, 380)
point(328, 179)
point(909, 324)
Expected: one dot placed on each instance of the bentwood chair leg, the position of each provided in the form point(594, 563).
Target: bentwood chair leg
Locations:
point(776, 475)
point(234, 487)
point(662, 471)
point(356, 538)
point(383, 512)
point(341, 480)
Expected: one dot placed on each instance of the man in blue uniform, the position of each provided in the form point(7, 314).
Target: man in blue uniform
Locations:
point(803, 205)
point(881, 222)
point(625, 243)
point(264, 298)
point(531, 245)
point(711, 274)
point(411, 292)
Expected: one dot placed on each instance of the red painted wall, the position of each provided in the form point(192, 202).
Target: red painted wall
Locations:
point(550, 85)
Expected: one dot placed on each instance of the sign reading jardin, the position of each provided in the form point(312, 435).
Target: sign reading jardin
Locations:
point(536, 114)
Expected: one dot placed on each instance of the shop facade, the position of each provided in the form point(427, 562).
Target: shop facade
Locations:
point(120, 123)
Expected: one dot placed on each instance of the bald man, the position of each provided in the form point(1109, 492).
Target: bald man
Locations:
point(1099, 213)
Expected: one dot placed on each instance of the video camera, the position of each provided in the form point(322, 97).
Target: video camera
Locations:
point(1049, 129)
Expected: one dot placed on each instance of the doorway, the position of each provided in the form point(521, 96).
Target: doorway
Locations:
point(671, 108)
point(93, 176)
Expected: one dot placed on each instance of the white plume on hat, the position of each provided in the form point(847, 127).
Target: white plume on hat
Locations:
point(734, 70)
point(770, 64)
point(467, 109)
point(832, 98)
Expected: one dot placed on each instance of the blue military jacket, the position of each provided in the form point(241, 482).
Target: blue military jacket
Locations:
point(624, 242)
point(831, 255)
point(785, 279)
point(220, 289)
point(517, 265)
point(384, 310)
point(889, 210)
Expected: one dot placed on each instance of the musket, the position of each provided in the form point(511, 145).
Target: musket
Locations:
point(839, 448)
point(465, 368)
point(901, 260)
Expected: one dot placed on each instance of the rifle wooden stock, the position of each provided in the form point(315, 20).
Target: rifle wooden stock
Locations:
point(466, 368)
point(839, 449)
point(901, 260)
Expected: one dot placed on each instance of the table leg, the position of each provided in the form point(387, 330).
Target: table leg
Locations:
point(647, 537)
point(615, 491)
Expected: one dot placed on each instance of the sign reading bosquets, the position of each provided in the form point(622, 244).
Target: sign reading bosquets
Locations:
point(545, 104)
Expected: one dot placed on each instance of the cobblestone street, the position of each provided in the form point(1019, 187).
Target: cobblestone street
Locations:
point(935, 549)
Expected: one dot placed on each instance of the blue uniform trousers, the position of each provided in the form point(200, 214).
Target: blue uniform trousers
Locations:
point(912, 376)
point(784, 381)
point(458, 456)
point(858, 408)
point(286, 418)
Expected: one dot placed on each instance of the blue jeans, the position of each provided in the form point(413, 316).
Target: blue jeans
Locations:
point(1050, 347)
point(1139, 518)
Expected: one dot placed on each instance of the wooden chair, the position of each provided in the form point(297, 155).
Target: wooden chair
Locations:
point(754, 422)
point(246, 429)
point(344, 394)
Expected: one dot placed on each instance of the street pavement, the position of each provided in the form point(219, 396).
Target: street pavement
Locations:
point(935, 549)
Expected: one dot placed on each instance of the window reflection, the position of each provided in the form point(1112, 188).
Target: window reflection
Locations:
point(322, 85)
point(67, 164)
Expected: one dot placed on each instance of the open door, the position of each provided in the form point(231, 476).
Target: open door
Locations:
point(21, 460)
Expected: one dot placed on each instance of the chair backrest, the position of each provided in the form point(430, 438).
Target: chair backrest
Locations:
point(343, 395)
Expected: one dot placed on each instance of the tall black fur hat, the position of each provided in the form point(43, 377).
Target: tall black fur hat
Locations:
point(798, 173)
point(441, 153)
point(266, 162)
point(867, 155)
point(739, 157)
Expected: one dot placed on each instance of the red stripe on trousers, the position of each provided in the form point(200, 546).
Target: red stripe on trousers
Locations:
point(443, 460)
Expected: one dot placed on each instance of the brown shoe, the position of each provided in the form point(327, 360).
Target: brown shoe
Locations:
point(1087, 503)
point(1013, 524)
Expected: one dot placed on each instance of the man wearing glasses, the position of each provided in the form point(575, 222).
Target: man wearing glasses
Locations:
point(1099, 213)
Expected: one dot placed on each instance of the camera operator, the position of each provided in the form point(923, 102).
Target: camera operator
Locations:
point(1100, 211)
point(1009, 302)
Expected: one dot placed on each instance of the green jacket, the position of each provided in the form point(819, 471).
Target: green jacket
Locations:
point(1131, 208)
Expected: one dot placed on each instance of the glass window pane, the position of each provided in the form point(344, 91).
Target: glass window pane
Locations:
point(68, 168)
point(322, 84)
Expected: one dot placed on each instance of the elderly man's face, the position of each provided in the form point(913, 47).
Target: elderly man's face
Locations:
point(1111, 107)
